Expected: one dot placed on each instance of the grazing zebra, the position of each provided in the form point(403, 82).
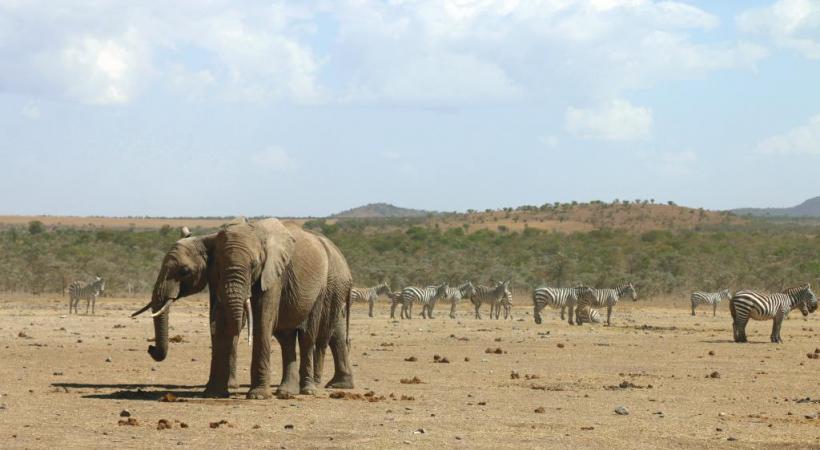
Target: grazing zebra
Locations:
point(370, 295)
point(506, 303)
point(709, 298)
point(598, 298)
point(588, 315)
point(491, 295)
point(745, 305)
point(455, 294)
point(78, 291)
point(555, 297)
point(395, 300)
point(426, 296)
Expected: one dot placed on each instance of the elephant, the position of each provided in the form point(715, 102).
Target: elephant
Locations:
point(187, 269)
point(297, 281)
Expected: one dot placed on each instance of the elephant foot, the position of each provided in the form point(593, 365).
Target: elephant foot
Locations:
point(286, 390)
point(259, 393)
point(308, 389)
point(233, 384)
point(212, 392)
point(342, 382)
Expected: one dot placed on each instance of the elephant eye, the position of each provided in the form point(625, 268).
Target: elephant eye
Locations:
point(184, 271)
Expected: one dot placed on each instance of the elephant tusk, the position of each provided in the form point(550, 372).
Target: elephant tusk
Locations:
point(164, 308)
point(144, 308)
point(250, 321)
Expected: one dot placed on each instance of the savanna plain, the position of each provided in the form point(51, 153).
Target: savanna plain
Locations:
point(78, 381)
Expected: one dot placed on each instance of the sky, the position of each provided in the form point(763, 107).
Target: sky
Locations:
point(219, 108)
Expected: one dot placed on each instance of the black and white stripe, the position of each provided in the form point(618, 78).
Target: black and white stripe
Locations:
point(456, 293)
point(395, 300)
point(427, 297)
point(506, 303)
point(745, 305)
point(555, 297)
point(490, 295)
point(709, 298)
point(370, 295)
point(598, 298)
point(588, 315)
point(78, 291)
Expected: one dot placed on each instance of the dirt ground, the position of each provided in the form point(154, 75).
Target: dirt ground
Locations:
point(64, 381)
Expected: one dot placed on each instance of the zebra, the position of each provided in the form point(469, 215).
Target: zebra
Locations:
point(709, 298)
point(370, 295)
point(78, 291)
point(745, 305)
point(454, 294)
point(598, 298)
point(491, 295)
point(506, 303)
point(588, 315)
point(556, 297)
point(395, 300)
point(427, 296)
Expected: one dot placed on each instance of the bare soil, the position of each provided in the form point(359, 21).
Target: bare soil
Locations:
point(66, 380)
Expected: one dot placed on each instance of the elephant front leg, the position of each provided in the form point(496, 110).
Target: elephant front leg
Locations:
point(265, 314)
point(343, 375)
point(290, 368)
point(221, 345)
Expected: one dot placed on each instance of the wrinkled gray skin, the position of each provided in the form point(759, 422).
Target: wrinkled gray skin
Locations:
point(298, 283)
point(187, 269)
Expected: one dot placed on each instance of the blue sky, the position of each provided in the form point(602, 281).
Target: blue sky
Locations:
point(309, 108)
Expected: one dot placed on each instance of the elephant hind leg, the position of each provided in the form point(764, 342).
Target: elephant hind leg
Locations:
point(290, 369)
point(307, 352)
point(343, 375)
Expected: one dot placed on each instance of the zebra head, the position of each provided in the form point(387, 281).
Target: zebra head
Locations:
point(629, 289)
point(383, 288)
point(441, 290)
point(725, 294)
point(100, 283)
point(467, 289)
point(806, 298)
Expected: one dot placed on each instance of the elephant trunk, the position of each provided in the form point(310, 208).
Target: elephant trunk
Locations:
point(235, 293)
point(164, 292)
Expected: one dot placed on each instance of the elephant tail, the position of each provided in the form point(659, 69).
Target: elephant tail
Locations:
point(347, 316)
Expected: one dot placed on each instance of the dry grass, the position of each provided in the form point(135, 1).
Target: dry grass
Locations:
point(58, 390)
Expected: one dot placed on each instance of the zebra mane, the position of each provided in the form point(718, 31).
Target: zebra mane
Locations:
point(797, 290)
point(623, 288)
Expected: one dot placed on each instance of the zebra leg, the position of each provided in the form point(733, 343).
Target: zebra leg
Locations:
point(370, 303)
point(93, 305)
point(777, 323)
point(739, 328)
point(453, 309)
point(714, 309)
point(608, 315)
point(563, 307)
point(571, 309)
point(693, 307)
point(393, 310)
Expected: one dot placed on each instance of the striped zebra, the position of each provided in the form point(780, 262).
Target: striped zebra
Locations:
point(395, 300)
point(598, 298)
point(709, 298)
point(490, 295)
point(588, 315)
point(427, 296)
point(745, 305)
point(78, 291)
point(506, 303)
point(456, 293)
point(557, 298)
point(369, 295)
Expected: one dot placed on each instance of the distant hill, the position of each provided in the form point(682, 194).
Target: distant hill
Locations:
point(809, 208)
point(375, 210)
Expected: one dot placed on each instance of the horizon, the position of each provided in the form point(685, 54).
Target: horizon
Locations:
point(309, 109)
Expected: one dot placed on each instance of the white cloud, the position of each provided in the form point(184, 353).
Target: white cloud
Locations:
point(801, 140)
point(438, 53)
point(391, 155)
point(790, 23)
point(31, 111)
point(616, 120)
point(274, 158)
point(548, 141)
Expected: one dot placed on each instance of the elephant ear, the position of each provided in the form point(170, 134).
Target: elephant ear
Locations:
point(279, 244)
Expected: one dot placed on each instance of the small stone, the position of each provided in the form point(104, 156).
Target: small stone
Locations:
point(164, 424)
point(711, 353)
point(289, 427)
point(58, 374)
point(411, 359)
point(714, 374)
point(540, 410)
point(811, 416)
point(560, 345)
point(108, 359)
point(256, 427)
point(621, 411)
point(125, 413)
point(721, 414)
point(730, 438)
point(466, 359)
point(183, 425)
point(420, 431)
